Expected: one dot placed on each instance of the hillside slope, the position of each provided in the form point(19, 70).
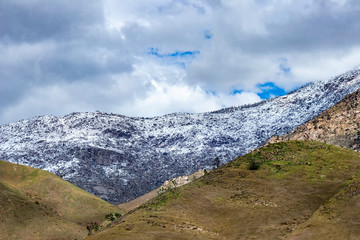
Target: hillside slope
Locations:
point(119, 158)
point(336, 219)
point(339, 125)
point(35, 204)
point(295, 180)
point(172, 183)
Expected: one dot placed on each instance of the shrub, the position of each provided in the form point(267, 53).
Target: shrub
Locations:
point(92, 226)
point(110, 217)
point(254, 165)
point(216, 162)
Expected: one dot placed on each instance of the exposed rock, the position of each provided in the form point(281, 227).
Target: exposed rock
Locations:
point(339, 125)
point(182, 180)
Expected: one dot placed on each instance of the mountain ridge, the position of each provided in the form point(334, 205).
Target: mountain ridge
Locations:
point(119, 158)
point(338, 125)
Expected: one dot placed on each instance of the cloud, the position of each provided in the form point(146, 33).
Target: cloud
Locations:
point(122, 94)
point(146, 58)
point(36, 20)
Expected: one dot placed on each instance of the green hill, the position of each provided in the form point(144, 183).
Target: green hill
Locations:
point(35, 204)
point(296, 190)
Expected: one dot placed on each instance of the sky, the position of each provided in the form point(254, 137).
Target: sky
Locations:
point(153, 57)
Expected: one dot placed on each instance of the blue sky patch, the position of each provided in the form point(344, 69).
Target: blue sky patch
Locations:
point(211, 92)
point(236, 91)
point(208, 35)
point(284, 65)
point(180, 58)
point(284, 68)
point(269, 90)
point(180, 54)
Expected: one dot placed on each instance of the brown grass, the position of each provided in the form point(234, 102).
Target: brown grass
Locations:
point(35, 204)
point(294, 181)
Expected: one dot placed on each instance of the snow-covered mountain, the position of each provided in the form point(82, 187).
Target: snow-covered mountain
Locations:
point(119, 158)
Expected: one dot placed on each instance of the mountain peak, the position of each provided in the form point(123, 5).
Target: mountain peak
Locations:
point(119, 158)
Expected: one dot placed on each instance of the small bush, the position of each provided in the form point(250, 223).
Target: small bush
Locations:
point(216, 163)
point(92, 227)
point(112, 216)
point(254, 165)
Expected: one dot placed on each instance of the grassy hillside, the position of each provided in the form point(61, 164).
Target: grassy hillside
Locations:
point(338, 218)
point(35, 204)
point(284, 198)
point(172, 183)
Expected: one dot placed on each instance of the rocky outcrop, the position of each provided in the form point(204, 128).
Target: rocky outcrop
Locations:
point(168, 184)
point(339, 125)
point(182, 180)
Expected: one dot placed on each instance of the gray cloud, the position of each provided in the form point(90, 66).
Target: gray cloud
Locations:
point(46, 44)
point(36, 20)
point(94, 55)
point(250, 37)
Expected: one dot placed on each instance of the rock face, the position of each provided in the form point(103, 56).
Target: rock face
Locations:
point(339, 125)
point(119, 158)
point(182, 180)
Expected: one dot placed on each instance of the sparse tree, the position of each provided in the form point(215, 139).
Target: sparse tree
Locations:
point(216, 162)
point(92, 227)
point(110, 217)
point(254, 164)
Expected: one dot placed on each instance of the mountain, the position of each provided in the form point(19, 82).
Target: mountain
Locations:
point(119, 158)
point(339, 125)
point(299, 190)
point(35, 204)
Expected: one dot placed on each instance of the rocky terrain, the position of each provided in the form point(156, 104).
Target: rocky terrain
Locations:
point(119, 158)
point(339, 125)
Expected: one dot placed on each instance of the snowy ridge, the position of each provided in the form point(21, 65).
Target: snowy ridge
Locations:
point(119, 158)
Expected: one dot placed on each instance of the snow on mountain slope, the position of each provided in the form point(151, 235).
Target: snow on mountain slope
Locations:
point(119, 158)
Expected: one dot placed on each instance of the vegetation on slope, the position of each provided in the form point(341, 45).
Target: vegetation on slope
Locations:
point(35, 204)
point(293, 181)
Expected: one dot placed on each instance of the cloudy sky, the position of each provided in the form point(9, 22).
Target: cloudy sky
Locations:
point(152, 57)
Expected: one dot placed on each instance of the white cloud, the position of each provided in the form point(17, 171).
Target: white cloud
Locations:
point(97, 58)
point(183, 98)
